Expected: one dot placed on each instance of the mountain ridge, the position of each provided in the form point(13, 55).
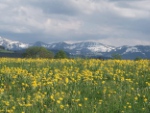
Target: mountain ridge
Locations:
point(87, 48)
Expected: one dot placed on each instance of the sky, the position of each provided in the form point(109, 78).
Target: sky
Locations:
point(112, 22)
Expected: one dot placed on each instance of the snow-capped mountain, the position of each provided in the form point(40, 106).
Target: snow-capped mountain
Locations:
point(77, 48)
point(84, 48)
point(12, 45)
point(92, 46)
point(131, 52)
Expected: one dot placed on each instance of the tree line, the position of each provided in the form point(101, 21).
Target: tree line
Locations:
point(41, 52)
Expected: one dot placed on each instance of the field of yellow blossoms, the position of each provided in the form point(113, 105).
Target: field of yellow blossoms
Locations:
point(74, 86)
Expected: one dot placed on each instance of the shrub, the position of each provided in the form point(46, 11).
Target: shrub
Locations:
point(116, 56)
point(60, 54)
point(38, 52)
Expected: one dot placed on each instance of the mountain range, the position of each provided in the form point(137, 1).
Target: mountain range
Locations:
point(88, 48)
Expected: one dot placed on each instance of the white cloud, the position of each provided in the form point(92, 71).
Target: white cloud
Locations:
point(76, 20)
point(59, 26)
point(132, 13)
point(123, 41)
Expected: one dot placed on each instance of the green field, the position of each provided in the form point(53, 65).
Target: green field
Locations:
point(5, 51)
point(74, 86)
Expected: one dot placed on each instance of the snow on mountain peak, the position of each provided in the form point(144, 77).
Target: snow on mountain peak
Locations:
point(98, 47)
point(132, 49)
point(9, 44)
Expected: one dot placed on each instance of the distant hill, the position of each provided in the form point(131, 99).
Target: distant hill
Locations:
point(85, 49)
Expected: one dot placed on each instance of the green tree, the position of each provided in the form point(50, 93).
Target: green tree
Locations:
point(38, 52)
point(60, 54)
point(138, 58)
point(2, 47)
point(116, 56)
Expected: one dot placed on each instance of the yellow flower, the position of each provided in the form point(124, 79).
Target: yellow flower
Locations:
point(58, 101)
point(143, 108)
point(129, 106)
point(60, 98)
point(1, 90)
point(103, 82)
point(28, 105)
point(136, 98)
point(34, 84)
point(85, 99)
point(10, 111)
point(77, 100)
point(61, 106)
point(13, 107)
point(145, 99)
point(6, 103)
point(128, 103)
point(52, 97)
point(100, 101)
point(67, 105)
point(67, 80)
point(79, 105)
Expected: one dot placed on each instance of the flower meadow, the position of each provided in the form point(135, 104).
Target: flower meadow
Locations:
point(74, 86)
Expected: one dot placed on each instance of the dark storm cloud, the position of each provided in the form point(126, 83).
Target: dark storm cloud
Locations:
point(62, 7)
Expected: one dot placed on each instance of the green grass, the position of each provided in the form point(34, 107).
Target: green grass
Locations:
point(74, 86)
point(5, 51)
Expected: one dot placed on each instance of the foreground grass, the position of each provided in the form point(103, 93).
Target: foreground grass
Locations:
point(74, 86)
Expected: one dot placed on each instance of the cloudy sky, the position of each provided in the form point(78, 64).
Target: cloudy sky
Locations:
point(113, 22)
